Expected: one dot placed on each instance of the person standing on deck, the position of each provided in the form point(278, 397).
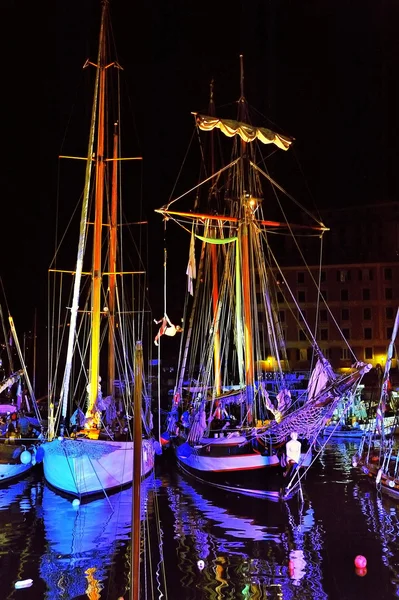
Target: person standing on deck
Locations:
point(293, 452)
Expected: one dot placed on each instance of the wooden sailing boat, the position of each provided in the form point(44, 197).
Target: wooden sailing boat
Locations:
point(94, 452)
point(378, 454)
point(235, 419)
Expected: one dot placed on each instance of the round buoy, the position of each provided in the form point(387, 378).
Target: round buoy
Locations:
point(361, 572)
point(25, 457)
point(201, 565)
point(75, 502)
point(360, 562)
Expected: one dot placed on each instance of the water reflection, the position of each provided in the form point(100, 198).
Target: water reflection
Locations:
point(230, 548)
point(382, 518)
point(206, 543)
point(81, 542)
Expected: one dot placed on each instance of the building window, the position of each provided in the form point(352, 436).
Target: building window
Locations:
point(346, 333)
point(300, 277)
point(323, 315)
point(301, 315)
point(366, 294)
point(301, 335)
point(344, 295)
point(389, 312)
point(388, 293)
point(343, 275)
point(368, 353)
point(324, 294)
point(365, 275)
point(281, 316)
point(323, 276)
point(345, 354)
point(280, 298)
point(327, 353)
point(389, 332)
point(345, 314)
point(367, 314)
point(301, 296)
point(303, 354)
point(388, 274)
point(368, 333)
point(324, 334)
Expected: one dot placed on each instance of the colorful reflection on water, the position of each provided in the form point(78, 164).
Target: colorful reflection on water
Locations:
point(200, 543)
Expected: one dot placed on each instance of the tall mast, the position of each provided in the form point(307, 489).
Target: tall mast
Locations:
point(7, 343)
point(112, 266)
point(246, 215)
point(98, 227)
point(215, 282)
point(82, 238)
point(136, 489)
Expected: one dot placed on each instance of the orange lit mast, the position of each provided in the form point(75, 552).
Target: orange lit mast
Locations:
point(112, 267)
point(246, 217)
point(215, 283)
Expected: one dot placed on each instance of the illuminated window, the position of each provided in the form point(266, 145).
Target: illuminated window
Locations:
point(345, 354)
point(303, 354)
point(343, 275)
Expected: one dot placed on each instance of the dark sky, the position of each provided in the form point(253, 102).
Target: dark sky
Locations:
point(324, 71)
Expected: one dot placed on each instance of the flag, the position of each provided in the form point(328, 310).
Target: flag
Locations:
point(191, 268)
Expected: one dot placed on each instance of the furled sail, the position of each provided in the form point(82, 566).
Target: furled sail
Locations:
point(248, 133)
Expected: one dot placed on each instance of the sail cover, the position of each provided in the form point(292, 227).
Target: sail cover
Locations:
point(248, 133)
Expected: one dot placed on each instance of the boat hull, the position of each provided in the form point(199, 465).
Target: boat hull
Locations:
point(82, 467)
point(246, 472)
point(386, 484)
point(11, 466)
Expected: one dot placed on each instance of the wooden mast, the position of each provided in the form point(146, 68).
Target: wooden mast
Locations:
point(215, 282)
point(97, 235)
point(136, 490)
point(246, 215)
point(112, 267)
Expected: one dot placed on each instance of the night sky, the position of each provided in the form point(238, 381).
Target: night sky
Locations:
point(323, 71)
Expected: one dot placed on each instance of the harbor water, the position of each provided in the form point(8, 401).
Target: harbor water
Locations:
point(200, 543)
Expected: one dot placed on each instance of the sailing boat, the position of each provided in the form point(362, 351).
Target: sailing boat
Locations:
point(104, 320)
point(378, 454)
point(20, 432)
point(236, 418)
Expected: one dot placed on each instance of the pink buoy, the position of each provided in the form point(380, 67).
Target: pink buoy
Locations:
point(361, 572)
point(360, 562)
